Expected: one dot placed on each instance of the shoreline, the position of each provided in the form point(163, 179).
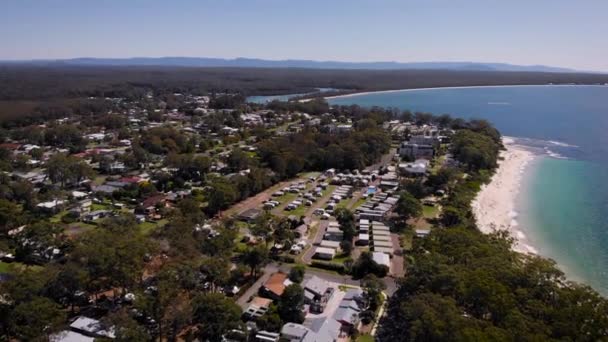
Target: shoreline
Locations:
point(454, 87)
point(494, 207)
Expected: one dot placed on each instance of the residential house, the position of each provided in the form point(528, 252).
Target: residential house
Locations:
point(317, 293)
point(417, 168)
point(92, 328)
point(325, 253)
point(257, 307)
point(267, 336)
point(415, 151)
point(274, 287)
point(317, 330)
point(349, 308)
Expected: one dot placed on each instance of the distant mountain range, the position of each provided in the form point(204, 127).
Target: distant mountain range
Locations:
point(290, 63)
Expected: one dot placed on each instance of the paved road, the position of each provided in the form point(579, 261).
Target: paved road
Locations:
point(385, 160)
point(315, 241)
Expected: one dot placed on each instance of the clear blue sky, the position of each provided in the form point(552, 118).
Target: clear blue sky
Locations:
point(551, 32)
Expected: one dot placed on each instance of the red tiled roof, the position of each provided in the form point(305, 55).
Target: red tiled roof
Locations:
point(276, 283)
point(130, 179)
point(10, 146)
point(152, 201)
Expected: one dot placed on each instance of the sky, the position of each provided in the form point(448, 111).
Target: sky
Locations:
point(559, 33)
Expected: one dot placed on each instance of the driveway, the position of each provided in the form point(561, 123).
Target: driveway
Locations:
point(315, 241)
point(243, 300)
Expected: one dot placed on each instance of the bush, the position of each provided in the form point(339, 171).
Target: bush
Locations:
point(366, 265)
point(331, 266)
point(68, 218)
point(296, 274)
point(284, 258)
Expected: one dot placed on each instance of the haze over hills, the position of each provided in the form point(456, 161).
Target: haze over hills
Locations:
point(292, 63)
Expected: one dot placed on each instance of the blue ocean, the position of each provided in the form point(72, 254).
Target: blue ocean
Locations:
point(563, 202)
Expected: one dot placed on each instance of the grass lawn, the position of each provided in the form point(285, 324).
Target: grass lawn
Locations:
point(405, 240)
point(359, 203)
point(429, 211)
point(99, 180)
point(14, 267)
point(340, 258)
point(251, 154)
point(57, 218)
point(97, 206)
point(284, 200)
point(311, 174)
point(365, 338)
point(345, 288)
point(73, 229)
point(438, 163)
point(6, 267)
point(149, 226)
point(300, 211)
point(342, 203)
point(329, 189)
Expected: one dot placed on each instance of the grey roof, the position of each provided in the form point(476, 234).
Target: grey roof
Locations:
point(326, 329)
point(347, 314)
point(70, 336)
point(316, 285)
point(353, 294)
point(294, 330)
point(105, 188)
point(92, 326)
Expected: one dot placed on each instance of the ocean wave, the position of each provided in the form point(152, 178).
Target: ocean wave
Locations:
point(521, 244)
point(539, 142)
point(553, 154)
point(561, 144)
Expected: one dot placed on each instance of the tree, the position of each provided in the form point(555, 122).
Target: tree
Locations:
point(36, 319)
point(296, 273)
point(263, 227)
point(214, 316)
point(346, 247)
point(65, 169)
point(113, 255)
point(291, 304)
point(215, 271)
point(36, 242)
point(238, 160)
point(346, 218)
point(372, 290)
point(255, 257)
point(126, 328)
point(408, 206)
point(68, 281)
point(366, 265)
point(11, 216)
point(221, 194)
point(475, 150)
point(168, 302)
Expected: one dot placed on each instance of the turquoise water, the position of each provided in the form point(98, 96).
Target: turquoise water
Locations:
point(563, 205)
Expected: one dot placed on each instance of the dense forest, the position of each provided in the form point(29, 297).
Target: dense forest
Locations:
point(25, 88)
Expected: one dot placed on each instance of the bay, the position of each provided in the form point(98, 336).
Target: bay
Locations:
point(563, 203)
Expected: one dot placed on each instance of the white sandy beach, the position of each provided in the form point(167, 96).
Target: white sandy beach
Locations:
point(494, 206)
point(438, 88)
